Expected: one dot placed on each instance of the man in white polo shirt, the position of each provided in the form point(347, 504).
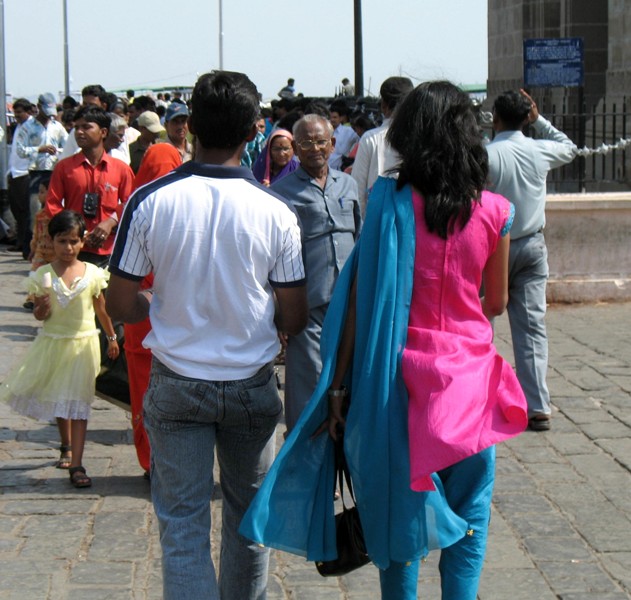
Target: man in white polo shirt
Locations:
point(228, 274)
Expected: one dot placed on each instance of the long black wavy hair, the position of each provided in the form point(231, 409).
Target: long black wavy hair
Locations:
point(442, 154)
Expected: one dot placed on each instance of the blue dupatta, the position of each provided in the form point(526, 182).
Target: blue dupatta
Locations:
point(294, 508)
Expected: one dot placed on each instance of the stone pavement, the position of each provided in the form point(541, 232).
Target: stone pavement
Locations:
point(561, 525)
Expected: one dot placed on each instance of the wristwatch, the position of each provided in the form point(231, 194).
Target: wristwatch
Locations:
point(112, 338)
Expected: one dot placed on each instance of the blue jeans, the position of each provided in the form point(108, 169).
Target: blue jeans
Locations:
point(185, 419)
point(527, 278)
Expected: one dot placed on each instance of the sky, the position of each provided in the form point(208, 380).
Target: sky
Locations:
point(135, 44)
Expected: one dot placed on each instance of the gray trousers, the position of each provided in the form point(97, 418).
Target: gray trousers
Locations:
point(303, 366)
point(527, 277)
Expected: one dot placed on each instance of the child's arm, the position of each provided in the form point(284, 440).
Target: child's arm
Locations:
point(105, 321)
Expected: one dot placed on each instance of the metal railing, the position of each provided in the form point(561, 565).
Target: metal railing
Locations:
point(600, 128)
point(593, 127)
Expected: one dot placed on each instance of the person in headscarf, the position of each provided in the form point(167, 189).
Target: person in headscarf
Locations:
point(159, 160)
point(277, 160)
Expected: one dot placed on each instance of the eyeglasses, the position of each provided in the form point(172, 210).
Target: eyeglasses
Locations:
point(319, 144)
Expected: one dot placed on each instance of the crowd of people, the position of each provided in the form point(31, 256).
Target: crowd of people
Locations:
point(374, 252)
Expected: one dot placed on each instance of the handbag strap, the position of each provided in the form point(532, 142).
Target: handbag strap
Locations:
point(341, 469)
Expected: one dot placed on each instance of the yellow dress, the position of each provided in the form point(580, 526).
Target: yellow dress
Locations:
point(56, 376)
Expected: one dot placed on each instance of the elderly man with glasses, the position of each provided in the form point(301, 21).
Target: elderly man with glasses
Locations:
point(327, 202)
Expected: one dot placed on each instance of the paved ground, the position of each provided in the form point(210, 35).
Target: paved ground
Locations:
point(561, 526)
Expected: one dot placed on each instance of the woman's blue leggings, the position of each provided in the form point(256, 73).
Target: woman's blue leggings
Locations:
point(468, 488)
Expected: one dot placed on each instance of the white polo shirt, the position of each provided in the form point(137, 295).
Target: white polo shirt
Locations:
point(217, 243)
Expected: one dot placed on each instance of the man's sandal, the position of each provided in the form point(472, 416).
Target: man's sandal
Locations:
point(65, 458)
point(78, 478)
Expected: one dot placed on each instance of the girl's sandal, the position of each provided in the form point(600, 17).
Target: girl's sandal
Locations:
point(65, 459)
point(78, 478)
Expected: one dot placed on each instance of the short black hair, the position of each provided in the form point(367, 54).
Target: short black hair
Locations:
point(363, 121)
point(68, 116)
point(340, 107)
point(317, 107)
point(143, 103)
point(394, 89)
point(112, 99)
point(22, 103)
point(225, 106)
point(512, 108)
point(435, 132)
point(96, 90)
point(94, 114)
point(69, 102)
point(289, 120)
point(44, 180)
point(65, 221)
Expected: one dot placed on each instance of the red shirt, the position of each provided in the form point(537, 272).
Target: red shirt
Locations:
point(74, 177)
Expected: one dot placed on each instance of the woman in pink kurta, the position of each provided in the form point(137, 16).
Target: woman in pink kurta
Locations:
point(462, 397)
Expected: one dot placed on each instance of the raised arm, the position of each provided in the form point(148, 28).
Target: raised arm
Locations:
point(563, 150)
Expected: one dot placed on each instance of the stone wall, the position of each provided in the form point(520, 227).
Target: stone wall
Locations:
point(589, 247)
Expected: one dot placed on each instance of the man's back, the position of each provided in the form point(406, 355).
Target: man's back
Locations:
point(518, 167)
point(214, 239)
point(228, 275)
point(374, 158)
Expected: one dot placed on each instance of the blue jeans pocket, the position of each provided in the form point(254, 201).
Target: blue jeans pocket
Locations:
point(262, 402)
point(170, 399)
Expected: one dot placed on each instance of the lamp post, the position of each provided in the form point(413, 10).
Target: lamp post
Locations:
point(3, 97)
point(66, 59)
point(221, 35)
point(359, 53)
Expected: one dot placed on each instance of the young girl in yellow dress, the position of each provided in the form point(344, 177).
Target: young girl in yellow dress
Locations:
point(56, 378)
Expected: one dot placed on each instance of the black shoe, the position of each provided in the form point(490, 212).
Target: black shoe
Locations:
point(15, 249)
point(541, 423)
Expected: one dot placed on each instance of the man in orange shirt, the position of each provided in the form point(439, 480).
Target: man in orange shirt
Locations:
point(93, 184)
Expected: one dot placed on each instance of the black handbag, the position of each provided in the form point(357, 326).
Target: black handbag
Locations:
point(351, 548)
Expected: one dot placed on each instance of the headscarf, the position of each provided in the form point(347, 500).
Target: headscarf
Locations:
point(262, 168)
point(159, 159)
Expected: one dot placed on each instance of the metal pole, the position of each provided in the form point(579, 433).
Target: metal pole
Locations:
point(66, 59)
point(221, 35)
point(582, 121)
point(359, 53)
point(3, 97)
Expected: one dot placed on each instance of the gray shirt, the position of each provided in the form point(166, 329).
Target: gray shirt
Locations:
point(518, 167)
point(330, 221)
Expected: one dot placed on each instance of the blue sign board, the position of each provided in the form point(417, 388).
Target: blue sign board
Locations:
point(553, 62)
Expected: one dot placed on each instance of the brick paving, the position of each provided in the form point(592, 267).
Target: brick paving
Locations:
point(561, 523)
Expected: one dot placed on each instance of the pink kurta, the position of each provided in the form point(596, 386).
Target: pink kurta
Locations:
point(463, 397)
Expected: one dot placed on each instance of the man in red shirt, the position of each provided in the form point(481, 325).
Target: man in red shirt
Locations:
point(93, 184)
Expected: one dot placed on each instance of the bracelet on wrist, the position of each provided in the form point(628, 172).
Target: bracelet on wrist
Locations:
point(341, 393)
point(112, 338)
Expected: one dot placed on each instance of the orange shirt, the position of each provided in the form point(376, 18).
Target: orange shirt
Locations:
point(74, 177)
